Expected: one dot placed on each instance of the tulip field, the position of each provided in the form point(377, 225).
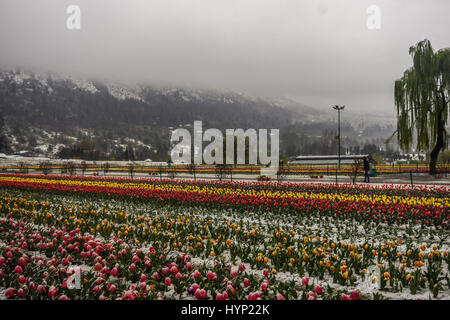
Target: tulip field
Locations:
point(181, 239)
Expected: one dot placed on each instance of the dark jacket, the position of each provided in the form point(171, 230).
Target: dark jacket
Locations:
point(366, 164)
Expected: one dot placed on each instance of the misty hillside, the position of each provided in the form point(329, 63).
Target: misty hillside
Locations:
point(60, 116)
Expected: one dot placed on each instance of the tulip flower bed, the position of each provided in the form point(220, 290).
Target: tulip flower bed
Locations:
point(151, 239)
point(423, 206)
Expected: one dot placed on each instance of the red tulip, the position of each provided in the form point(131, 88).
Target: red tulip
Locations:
point(18, 270)
point(114, 272)
point(200, 294)
point(264, 287)
point(129, 295)
point(20, 293)
point(355, 295)
point(22, 261)
point(305, 282)
point(10, 292)
point(319, 290)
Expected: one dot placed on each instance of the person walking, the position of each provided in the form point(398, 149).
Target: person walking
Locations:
point(366, 170)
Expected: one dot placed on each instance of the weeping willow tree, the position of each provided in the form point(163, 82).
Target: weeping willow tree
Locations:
point(422, 101)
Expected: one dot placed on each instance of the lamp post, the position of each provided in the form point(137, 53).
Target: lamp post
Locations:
point(339, 108)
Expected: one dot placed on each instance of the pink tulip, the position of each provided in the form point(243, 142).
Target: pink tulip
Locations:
point(280, 296)
point(223, 296)
point(143, 278)
point(345, 297)
point(63, 297)
point(167, 281)
point(311, 296)
point(129, 295)
point(41, 289)
point(22, 279)
point(193, 288)
point(52, 292)
point(97, 289)
point(246, 282)
point(132, 267)
point(264, 287)
point(254, 296)
point(231, 289)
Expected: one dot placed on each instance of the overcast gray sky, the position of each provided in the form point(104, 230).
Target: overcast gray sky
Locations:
point(318, 51)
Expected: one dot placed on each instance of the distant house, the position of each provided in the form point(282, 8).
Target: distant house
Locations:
point(24, 153)
point(329, 159)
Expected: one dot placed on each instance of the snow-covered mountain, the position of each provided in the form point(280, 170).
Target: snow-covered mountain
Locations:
point(117, 115)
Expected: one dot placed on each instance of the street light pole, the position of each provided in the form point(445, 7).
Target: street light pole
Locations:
point(339, 108)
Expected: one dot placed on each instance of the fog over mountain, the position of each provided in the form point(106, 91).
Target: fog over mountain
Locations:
point(62, 116)
point(318, 52)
